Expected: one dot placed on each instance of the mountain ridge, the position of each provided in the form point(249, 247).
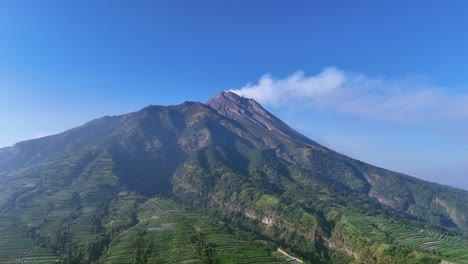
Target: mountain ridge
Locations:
point(228, 158)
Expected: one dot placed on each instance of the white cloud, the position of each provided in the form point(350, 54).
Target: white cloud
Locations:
point(297, 86)
point(353, 93)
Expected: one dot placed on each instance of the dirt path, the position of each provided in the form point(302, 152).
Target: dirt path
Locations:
point(287, 255)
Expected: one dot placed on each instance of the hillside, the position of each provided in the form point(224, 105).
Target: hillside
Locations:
point(80, 196)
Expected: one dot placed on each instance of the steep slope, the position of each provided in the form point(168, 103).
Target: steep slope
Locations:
point(165, 227)
point(74, 193)
point(251, 114)
point(403, 193)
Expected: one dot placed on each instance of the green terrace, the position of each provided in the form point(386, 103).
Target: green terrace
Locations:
point(381, 230)
point(167, 233)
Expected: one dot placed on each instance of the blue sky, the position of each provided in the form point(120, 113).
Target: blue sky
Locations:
point(381, 81)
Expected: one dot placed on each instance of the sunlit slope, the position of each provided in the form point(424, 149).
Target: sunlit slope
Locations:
point(167, 233)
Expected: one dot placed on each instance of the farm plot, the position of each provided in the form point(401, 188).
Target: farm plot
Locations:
point(166, 233)
point(14, 247)
point(385, 231)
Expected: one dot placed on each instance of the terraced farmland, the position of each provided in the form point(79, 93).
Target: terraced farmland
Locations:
point(166, 233)
point(450, 248)
point(40, 210)
point(15, 247)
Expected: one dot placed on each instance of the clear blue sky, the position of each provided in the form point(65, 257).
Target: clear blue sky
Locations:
point(397, 69)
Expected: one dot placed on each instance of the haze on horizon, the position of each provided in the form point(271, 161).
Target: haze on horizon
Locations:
point(381, 82)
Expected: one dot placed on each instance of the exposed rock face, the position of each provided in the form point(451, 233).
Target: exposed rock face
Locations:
point(451, 212)
point(247, 111)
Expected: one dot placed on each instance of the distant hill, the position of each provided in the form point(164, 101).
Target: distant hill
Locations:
point(86, 195)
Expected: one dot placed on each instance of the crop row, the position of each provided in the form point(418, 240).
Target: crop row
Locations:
point(383, 230)
point(169, 234)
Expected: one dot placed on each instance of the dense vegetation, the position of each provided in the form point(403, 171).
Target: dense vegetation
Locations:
point(86, 195)
point(167, 233)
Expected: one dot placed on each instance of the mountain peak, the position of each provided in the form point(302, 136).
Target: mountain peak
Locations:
point(247, 111)
point(230, 101)
point(227, 96)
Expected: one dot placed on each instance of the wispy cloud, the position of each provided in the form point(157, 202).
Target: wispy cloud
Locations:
point(406, 100)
